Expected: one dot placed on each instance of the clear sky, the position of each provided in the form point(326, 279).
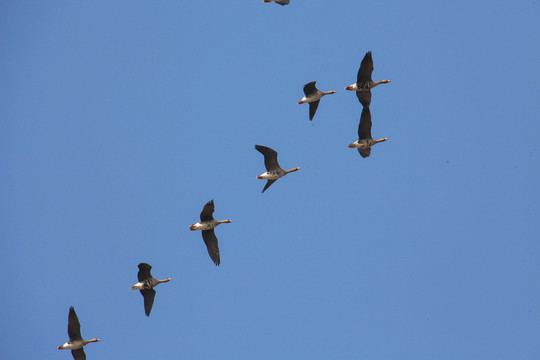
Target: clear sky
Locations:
point(121, 119)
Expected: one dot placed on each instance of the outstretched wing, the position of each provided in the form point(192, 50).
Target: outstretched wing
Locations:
point(364, 97)
point(268, 183)
point(144, 272)
point(310, 88)
point(148, 295)
point(366, 68)
point(78, 354)
point(74, 327)
point(270, 157)
point(313, 108)
point(207, 211)
point(210, 239)
point(364, 128)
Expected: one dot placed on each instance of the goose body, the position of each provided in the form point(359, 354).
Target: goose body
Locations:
point(365, 141)
point(364, 83)
point(280, 2)
point(146, 284)
point(207, 225)
point(76, 342)
point(313, 97)
point(274, 171)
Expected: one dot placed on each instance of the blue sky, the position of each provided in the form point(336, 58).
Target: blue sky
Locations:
point(121, 120)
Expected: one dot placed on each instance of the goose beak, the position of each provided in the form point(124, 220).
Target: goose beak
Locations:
point(351, 145)
point(192, 227)
point(60, 347)
point(348, 88)
point(259, 177)
point(300, 102)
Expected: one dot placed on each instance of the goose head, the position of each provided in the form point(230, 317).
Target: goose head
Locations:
point(291, 170)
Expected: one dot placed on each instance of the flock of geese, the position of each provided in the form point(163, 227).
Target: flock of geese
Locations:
point(146, 282)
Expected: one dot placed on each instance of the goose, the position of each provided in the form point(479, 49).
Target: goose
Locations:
point(364, 84)
point(280, 2)
point(313, 97)
point(146, 284)
point(365, 141)
point(76, 342)
point(274, 171)
point(207, 225)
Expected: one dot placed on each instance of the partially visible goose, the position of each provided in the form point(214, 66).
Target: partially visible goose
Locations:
point(274, 171)
point(207, 225)
point(280, 2)
point(365, 141)
point(146, 284)
point(313, 97)
point(364, 84)
point(76, 342)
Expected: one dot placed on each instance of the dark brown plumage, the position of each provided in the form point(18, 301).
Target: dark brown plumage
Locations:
point(364, 77)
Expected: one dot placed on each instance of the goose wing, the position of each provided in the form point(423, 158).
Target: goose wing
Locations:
point(364, 128)
point(313, 108)
point(148, 295)
point(144, 272)
point(310, 88)
point(207, 211)
point(365, 152)
point(366, 68)
point(210, 239)
point(364, 97)
point(78, 354)
point(270, 157)
point(268, 183)
point(74, 327)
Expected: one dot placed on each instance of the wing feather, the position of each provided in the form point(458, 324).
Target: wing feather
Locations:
point(74, 327)
point(365, 152)
point(144, 272)
point(313, 108)
point(208, 210)
point(268, 183)
point(270, 157)
point(210, 239)
point(366, 68)
point(364, 97)
point(148, 295)
point(78, 354)
point(364, 128)
point(310, 88)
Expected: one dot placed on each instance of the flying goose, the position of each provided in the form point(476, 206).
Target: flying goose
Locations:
point(365, 141)
point(76, 342)
point(280, 2)
point(313, 97)
point(146, 284)
point(207, 225)
point(364, 84)
point(274, 171)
